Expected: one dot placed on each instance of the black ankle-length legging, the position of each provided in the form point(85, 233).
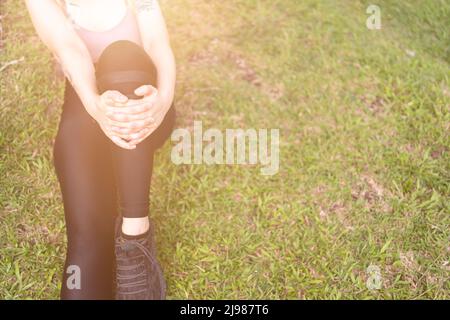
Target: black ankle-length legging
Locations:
point(98, 181)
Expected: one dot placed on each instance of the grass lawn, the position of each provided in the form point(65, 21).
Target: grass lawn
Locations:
point(364, 153)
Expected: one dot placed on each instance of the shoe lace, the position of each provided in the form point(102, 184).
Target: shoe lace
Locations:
point(127, 281)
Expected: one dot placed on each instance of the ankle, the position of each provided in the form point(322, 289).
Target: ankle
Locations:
point(135, 226)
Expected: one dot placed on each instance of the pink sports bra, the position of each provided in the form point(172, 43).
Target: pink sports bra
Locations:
point(96, 42)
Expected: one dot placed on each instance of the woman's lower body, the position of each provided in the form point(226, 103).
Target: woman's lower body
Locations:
point(99, 181)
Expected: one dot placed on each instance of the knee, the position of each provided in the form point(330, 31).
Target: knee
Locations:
point(124, 66)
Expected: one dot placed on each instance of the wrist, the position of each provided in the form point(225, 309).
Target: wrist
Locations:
point(166, 98)
point(92, 106)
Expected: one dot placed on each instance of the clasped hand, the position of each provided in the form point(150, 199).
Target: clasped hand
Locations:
point(127, 122)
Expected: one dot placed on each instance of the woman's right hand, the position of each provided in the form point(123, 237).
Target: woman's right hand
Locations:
point(105, 100)
point(124, 129)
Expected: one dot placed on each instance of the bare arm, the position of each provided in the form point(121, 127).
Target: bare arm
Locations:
point(157, 44)
point(56, 32)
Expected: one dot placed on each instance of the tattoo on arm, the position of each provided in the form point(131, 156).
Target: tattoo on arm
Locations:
point(145, 5)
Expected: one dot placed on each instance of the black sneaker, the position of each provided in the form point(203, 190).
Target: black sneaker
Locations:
point(138, 275)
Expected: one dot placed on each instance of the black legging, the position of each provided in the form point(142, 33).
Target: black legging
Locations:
point(98, 181)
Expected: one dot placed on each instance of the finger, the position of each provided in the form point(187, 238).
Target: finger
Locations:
point(150, 131)
point(123, 117)
point(119, 142)
point(117, 96)
point(153, 123)
point(136, 108)
point(137, 141)
point(115, 138)
point(127, 133)
point(139, 135)
point(145, 90)
point(139, 124)
point(119, 131)
point(124, 132)
point(114, 97)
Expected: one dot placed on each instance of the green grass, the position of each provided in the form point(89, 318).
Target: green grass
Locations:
point(364, 174)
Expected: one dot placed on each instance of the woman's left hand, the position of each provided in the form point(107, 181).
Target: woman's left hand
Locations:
point(151, 106)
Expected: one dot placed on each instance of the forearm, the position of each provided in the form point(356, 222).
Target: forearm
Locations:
point(164, 60)
point(58, 35)
point(156, 43)
point(79, 70)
